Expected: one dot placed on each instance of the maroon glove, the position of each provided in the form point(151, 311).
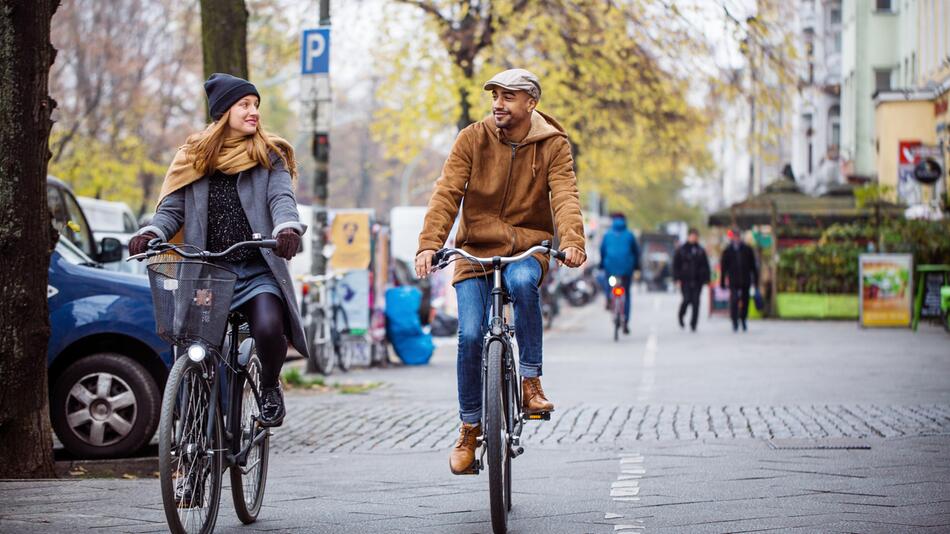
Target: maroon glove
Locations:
point(288, 242)
point(139, 243)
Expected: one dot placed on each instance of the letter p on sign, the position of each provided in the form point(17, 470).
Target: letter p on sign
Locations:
point(315, 51)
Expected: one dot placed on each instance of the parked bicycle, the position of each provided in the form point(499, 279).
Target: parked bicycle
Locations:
point(502, 419)
point(326, 324)
point(211, 405)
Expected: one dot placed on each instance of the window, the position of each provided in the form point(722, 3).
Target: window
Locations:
point(835, 15)
point(883, 5)
point(882, 80)
point(77, 229)
point(808, 125)
point(130, 226)
point(834, 127)
point(913, 68)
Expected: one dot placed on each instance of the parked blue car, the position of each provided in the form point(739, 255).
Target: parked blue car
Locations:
point(107, 366)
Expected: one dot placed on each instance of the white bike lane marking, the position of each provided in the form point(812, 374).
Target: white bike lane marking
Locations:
point(626, 488)
point(648, 374)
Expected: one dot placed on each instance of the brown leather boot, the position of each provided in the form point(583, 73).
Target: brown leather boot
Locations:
point(463, 453)
point(533, 397)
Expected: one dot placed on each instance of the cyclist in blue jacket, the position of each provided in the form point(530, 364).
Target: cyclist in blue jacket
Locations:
point(620, 256)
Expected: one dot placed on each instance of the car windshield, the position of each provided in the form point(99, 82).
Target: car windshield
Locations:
point(72, 253)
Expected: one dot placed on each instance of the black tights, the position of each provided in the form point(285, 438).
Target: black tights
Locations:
point(265, 314)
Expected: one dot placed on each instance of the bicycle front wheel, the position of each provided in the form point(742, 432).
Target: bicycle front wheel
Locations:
point(190, 462)
point(248, 477)
point(496, 438)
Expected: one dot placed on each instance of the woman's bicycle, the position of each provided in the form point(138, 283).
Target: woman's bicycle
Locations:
point(211, 404)
point(502, 415)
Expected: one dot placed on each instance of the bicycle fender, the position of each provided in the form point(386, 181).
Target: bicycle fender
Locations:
point(245, 350)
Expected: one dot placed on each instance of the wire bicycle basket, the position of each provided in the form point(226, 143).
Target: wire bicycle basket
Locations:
point(192, 300)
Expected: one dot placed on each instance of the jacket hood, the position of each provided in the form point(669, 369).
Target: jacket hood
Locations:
point(618, 224)
point(543, 126)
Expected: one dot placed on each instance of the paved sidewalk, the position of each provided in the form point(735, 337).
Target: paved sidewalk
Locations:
point(794, 426)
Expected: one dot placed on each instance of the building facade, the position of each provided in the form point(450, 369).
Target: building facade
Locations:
point(870, 64)
point(913, 110)
point(816, 119)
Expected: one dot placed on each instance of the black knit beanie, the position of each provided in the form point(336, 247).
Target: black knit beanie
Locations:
point(224, 90)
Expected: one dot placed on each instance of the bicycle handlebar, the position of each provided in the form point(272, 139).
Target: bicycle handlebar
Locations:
point(442, 256)
point(156, 247)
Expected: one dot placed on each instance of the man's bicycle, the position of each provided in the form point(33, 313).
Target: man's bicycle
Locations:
point(211, 404)
point(502, 415)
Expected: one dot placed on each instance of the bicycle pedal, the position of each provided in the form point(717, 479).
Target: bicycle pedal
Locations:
point(540, 416)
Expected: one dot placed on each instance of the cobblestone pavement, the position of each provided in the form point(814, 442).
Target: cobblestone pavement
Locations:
point(792, 427)
point(356, 427)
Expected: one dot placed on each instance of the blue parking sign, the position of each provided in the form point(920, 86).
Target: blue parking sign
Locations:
point(315, 51)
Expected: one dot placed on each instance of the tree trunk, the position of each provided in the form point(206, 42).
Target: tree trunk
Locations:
point(26, 448)
point(224, 37)
point(465, 111)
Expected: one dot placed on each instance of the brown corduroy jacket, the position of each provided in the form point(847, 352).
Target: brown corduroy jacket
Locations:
point(514, 194)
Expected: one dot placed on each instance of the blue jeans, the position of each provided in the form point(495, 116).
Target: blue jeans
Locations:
point(474, 306)
point(625, 281)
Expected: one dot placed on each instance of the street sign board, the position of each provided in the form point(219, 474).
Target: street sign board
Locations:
point(885, 289)
point(315, 51)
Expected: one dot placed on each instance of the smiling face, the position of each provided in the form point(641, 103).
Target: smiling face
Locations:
point(511, 109)
point(244, 116)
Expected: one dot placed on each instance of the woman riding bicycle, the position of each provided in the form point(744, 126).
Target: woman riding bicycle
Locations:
point(229, 181)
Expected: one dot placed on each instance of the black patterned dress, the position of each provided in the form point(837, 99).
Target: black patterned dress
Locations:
point(227, 225)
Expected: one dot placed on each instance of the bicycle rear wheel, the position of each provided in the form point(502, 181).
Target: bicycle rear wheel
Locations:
point(496, 439)
point(618, 317)
point(248, 480)
point(190, 463)
point(321, 343)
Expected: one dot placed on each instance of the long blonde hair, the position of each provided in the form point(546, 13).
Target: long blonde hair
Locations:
point(203, 147)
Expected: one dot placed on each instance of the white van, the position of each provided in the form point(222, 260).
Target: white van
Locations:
point(112, 219)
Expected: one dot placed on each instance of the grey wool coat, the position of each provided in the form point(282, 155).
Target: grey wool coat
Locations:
point(268, 200)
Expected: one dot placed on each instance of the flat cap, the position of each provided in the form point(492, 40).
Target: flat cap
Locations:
point(516, 80)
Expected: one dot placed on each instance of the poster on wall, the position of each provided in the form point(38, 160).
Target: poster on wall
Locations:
point(353, 295)
point(886, 289)
point(350, 235)
point(908, 190)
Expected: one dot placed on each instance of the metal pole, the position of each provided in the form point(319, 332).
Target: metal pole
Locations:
point(320, 148)
point(321, 154)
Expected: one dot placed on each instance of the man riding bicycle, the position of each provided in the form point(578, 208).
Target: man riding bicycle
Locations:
point(513, 169)
point(619, 257)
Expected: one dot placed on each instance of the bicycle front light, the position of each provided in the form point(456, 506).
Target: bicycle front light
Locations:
point(612, 281)
point(197, 353)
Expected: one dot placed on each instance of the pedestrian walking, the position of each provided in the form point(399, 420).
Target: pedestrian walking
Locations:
point(691, 272)
point(619, 257)
point(503, 217)
point(739, 274)
point(228, 182)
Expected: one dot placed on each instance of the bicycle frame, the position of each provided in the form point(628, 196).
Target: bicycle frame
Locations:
point(228, 386)
point(499, 330)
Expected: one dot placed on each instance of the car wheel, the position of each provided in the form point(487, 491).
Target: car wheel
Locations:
point(105, 405)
